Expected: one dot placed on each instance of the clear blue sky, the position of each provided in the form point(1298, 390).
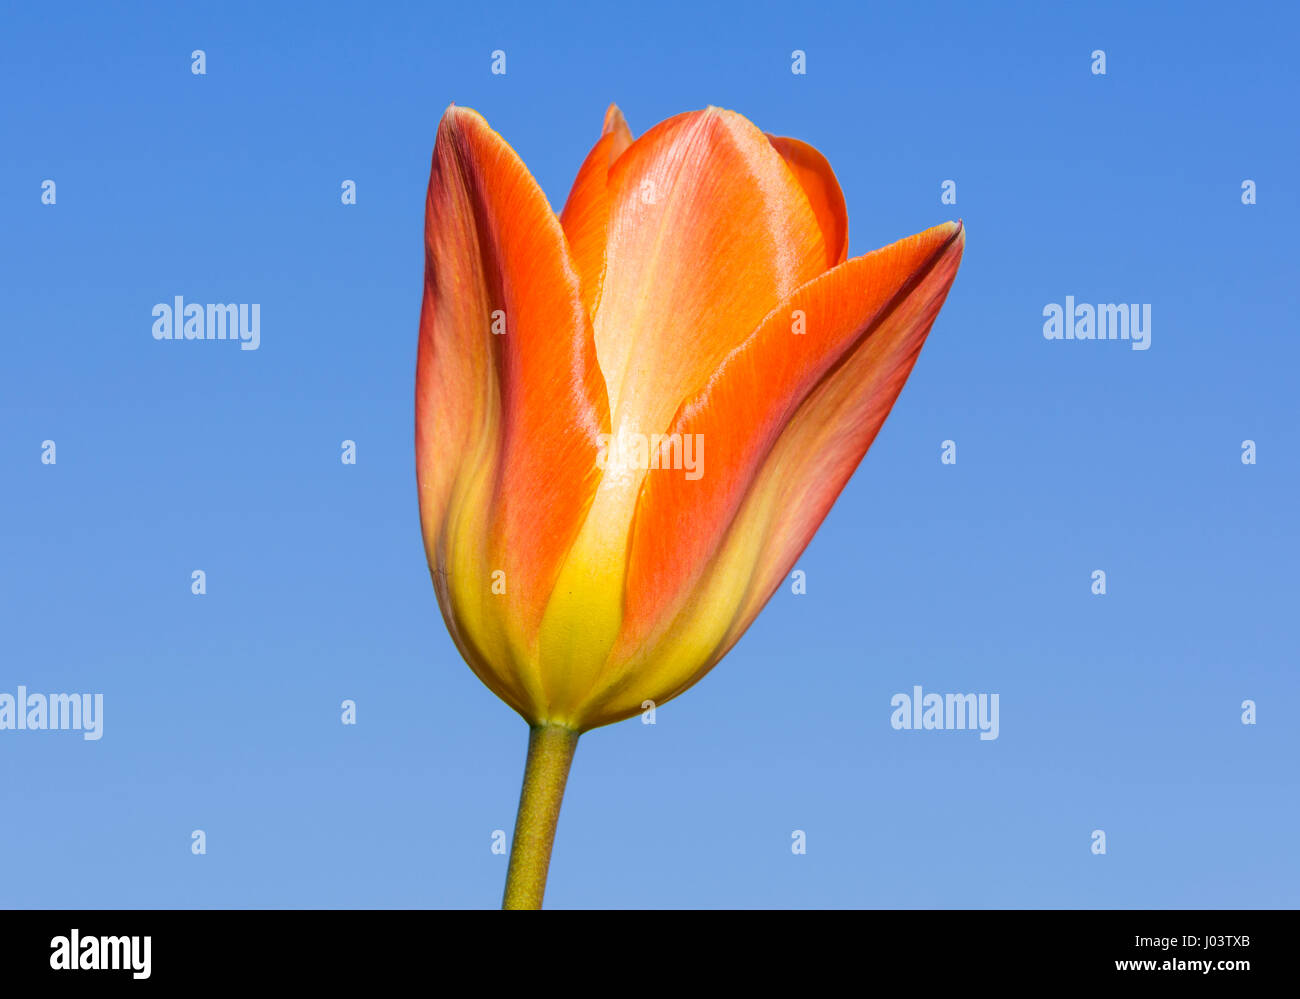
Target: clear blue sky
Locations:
point(1118, 712)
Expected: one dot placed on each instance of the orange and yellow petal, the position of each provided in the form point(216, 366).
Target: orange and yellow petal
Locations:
point(708, 230)
point(586, 212)
point(818, 181)
point(509, 403)
point(784, 422)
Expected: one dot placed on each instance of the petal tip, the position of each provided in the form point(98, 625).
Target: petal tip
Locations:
point(457, 113)
point(613, 119)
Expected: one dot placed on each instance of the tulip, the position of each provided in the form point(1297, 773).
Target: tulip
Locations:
point(695, 291)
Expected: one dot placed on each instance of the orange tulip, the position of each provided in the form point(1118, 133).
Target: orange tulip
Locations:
point(631, 419)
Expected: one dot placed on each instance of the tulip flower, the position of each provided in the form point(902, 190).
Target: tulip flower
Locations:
point(695, 293)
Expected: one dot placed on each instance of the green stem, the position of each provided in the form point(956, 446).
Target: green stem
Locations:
point(550, 751)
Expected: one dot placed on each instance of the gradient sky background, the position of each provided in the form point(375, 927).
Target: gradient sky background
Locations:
point(1119, 712)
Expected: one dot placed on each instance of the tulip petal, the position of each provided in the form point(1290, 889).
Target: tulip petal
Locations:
point(506, 423)
point(785, 421)
point(709, 230)
point(586, 212)
point(817, 178)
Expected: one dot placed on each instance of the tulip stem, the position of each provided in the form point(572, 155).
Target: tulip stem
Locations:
point(550, 752)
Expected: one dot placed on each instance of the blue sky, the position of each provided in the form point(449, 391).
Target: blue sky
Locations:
point(1119, 712)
